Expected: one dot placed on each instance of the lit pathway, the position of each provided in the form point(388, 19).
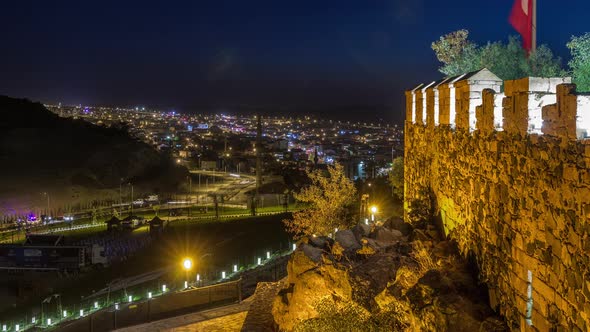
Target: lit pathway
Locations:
point(227, 318)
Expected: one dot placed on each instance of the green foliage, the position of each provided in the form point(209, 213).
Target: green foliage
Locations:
point(580, 62)
point(507, 60)
point(329, 198)
point(396, 177)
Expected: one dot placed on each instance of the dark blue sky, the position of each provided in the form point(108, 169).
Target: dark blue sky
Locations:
point(196, 55)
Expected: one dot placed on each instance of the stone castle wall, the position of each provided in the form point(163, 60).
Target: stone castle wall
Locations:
point(511, 183)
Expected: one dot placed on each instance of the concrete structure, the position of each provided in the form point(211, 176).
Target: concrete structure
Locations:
point(513, 190)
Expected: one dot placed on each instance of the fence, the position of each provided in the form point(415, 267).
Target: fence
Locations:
point(155, 308)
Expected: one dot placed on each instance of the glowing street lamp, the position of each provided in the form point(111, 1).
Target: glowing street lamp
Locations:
point(373, 211)
point(187, 264)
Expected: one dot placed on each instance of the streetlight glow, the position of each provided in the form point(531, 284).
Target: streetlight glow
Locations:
point(187, 264)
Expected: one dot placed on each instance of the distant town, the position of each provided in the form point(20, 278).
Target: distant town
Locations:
point(227, 143)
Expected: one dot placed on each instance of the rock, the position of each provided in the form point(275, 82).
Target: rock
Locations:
point(315, 254)
point(321, 242)
point(385, 235)
point(420, 235)
point(307, 284)
point(259, 316)
point(400, 225)
point(347, 240)
point(361, 230)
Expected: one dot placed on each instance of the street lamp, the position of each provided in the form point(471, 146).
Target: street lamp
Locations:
point(373, 211)
point(187, 265)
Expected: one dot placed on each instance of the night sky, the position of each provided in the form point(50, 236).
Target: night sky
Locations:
point(335, 57)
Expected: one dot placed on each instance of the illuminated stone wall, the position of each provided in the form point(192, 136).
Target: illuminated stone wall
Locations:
point(514, 195)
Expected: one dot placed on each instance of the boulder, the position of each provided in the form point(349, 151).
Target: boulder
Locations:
point(321, 242)
point(307, 284)
point(400, 225)
point(385, 235)
point(347, 240)
point(315, 254)
point(361, 230)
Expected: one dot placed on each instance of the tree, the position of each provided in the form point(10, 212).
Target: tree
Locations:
point(329, 198)
point(396, 177)
point(509, 61)
point(580, 62)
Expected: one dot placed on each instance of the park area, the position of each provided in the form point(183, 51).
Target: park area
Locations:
point(217, 246)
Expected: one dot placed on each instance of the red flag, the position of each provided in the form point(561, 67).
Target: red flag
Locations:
point(521, 19)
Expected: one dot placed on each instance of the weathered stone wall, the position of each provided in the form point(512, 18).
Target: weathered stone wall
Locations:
point(518, 201)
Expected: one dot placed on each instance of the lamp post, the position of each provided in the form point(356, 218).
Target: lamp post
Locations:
point(187, 265)
point(373, 211)
point(47, 194)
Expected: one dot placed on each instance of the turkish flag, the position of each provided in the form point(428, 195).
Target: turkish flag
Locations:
point(521, 19)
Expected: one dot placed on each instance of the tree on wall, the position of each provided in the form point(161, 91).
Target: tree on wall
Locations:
point(580, 62)
point(459, 55)
point(396, 177)
point(329, 198)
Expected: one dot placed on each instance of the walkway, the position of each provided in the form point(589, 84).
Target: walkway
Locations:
point(227, 318)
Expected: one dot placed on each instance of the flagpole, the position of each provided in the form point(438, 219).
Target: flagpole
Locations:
point(534, 39)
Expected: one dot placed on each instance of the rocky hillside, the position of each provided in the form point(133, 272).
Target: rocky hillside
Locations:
point(385, 278)
point(41, 152)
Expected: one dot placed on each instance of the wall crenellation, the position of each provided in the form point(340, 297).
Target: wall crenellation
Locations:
point(506, 168)
point(519, 109)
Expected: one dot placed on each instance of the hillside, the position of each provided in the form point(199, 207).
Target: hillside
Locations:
point(72, 160)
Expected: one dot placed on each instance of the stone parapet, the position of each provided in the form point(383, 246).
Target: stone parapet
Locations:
point(514, 196)
point(527, 106)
